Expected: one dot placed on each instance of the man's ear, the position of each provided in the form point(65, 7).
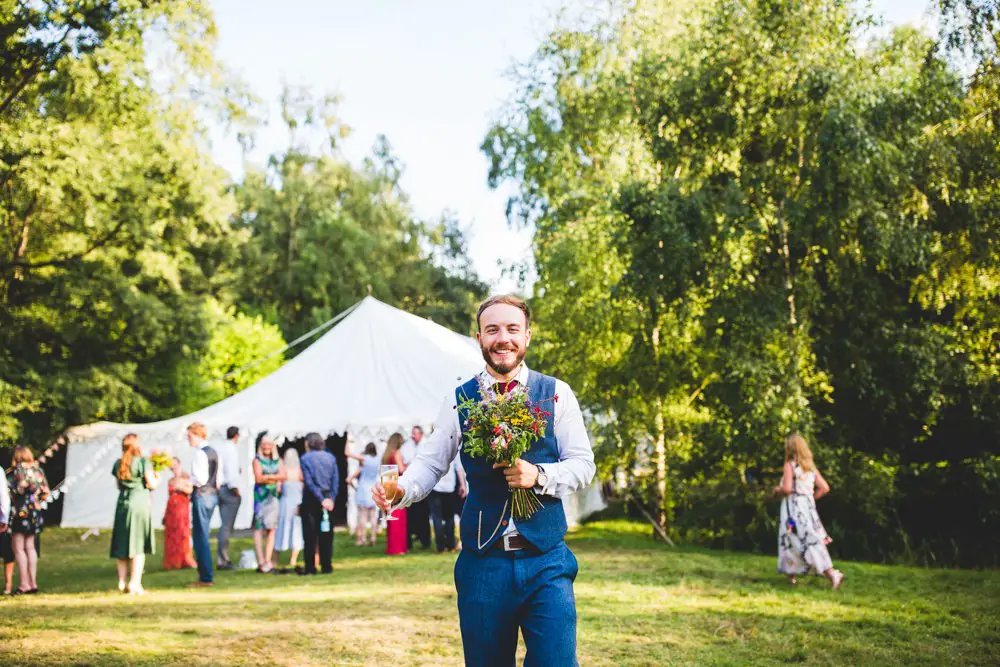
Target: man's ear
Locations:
point(527, 337)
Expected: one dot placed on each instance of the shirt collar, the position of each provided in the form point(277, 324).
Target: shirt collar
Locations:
point(521, 378)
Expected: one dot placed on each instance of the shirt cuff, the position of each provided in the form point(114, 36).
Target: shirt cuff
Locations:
point(408, 495)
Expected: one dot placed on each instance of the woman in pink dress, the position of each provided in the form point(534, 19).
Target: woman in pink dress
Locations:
point(396, 531)
point(177, 522)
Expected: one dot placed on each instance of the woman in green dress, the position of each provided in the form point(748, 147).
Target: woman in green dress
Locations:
point(132, 537)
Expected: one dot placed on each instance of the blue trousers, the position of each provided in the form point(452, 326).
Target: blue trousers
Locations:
point(500, 592)
point(202, 508)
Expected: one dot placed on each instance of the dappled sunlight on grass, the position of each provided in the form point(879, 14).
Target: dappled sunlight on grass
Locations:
point(639, 601)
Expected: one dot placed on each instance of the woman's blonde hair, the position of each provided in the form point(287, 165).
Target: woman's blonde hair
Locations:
point(260, 447)
point(23, 454)
point(391, 446)
point(198, 429)
point(130, 449)
point(797, 451)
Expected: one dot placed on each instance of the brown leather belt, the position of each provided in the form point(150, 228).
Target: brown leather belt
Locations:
point(511, 543)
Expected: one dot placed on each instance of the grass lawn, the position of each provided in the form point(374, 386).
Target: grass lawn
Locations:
point(639, 603)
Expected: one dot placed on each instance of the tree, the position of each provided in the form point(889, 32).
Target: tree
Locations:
point(240, 351)
point(757, 226)
point(113, 221)
point(322, 233)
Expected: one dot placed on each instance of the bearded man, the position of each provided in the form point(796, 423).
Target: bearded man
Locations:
point(509, 576)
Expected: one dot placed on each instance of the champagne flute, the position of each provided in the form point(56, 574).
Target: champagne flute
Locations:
point(389, 476)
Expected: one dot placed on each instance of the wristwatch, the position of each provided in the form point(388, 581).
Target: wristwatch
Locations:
point(543, 479)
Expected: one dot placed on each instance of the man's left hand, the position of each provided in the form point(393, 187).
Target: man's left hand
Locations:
point(521, 475)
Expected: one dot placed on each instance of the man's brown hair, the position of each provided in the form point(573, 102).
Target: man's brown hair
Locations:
point(507, 299)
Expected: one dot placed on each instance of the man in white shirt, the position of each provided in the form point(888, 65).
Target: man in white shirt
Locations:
point(510, 575)
point(229, 494)
point(4, 502)
point(207, 476)
point(441, 505)
point(6, 549)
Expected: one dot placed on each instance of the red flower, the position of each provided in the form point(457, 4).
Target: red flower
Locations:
point(556, 398)
point(496, 430)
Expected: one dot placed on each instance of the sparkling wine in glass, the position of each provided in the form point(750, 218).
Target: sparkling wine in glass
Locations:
point(389, 477)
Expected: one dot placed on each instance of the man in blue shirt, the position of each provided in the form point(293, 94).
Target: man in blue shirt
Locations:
point(321, 480)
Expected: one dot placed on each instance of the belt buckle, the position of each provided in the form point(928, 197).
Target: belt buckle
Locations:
point(506, 542)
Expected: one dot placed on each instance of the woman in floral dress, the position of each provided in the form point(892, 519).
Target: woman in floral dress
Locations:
point(28, 490)
point(802, 539)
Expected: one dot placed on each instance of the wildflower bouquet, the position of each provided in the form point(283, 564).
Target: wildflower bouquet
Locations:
point(161, 460)
point(501, 428)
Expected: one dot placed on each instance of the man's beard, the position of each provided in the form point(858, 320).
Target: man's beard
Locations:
point(503, 368)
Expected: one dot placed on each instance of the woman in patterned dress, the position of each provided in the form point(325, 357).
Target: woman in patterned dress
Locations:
point(268, 473)
point(28, 490)
point(177, 552)
point(802, 539)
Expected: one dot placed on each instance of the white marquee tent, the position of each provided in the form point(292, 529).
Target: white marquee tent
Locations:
point(377, 371)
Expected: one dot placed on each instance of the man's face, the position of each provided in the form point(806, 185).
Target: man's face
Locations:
point(503, 337)
point(416, 434)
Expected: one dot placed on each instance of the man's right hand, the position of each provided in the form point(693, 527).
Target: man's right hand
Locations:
point(378, 495)
point(3, 528)
point(327, 504)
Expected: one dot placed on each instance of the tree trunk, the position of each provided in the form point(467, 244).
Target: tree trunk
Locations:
point(661, 468)
point(22, 247)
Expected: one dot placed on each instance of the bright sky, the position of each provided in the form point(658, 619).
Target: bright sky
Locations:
point(429, 75)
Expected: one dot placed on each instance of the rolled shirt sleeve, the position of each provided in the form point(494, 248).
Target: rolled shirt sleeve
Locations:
point(434, 456)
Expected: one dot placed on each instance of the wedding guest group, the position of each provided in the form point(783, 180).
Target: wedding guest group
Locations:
point(802, 539)
point(132, 535)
